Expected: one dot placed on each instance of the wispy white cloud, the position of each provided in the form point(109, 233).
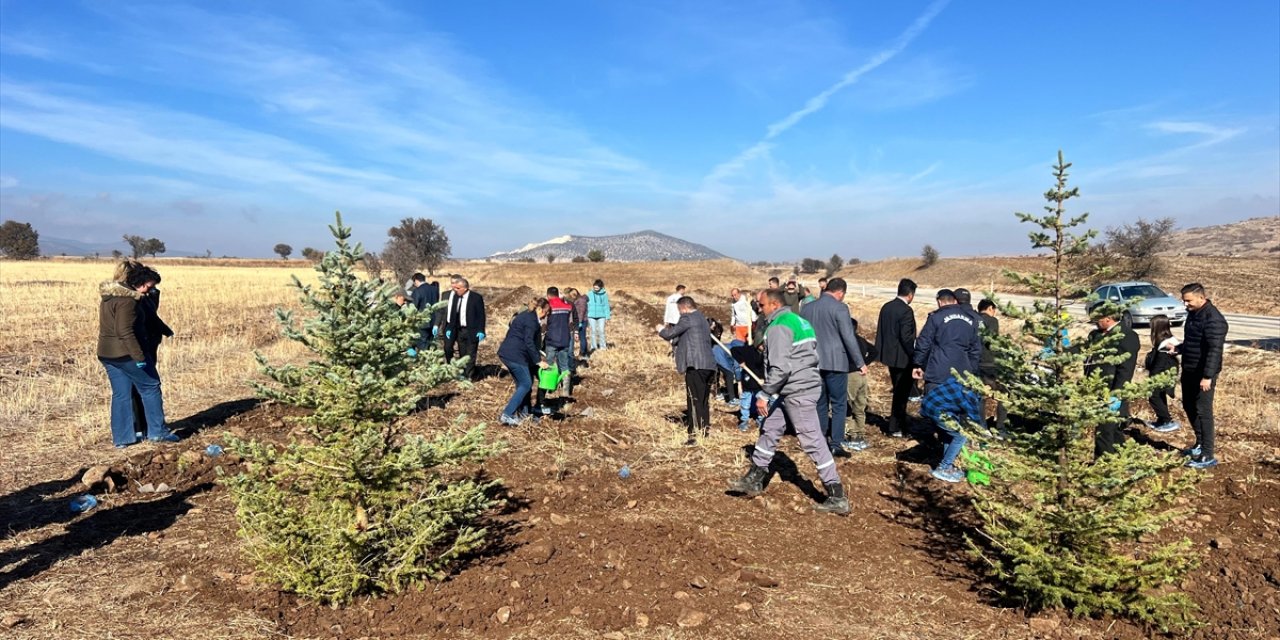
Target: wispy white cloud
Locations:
point(7, 182)
point(1212, 134)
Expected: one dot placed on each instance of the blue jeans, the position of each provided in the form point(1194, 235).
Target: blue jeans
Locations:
point(597, 333)
point(562, 358)
point(746, 405)
point(524, 383)
point(833, 403)
point(954, 442)
point(125, 376)
point(582, 338)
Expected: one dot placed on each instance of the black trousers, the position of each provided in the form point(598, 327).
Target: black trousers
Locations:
point(1199, 407)
point(697, 383)
point(1160, 404)
point(464, 344)
point(1002, 414)
point(902, 383)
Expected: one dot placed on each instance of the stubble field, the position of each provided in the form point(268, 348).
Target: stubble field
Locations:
point(579, 552)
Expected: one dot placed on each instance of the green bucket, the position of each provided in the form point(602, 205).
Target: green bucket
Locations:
point(977, 467)
point(549, 378)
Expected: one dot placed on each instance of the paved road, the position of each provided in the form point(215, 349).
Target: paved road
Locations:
point(1245, 330)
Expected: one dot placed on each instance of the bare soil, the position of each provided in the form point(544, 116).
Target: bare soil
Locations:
point(580, 552)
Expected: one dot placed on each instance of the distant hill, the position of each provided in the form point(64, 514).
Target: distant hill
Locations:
point(50, 246)
point(1252, 238)
point(641, 246)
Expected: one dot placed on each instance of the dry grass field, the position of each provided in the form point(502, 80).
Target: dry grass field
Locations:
point(580, 552)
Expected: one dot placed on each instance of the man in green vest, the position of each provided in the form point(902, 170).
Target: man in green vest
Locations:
point(790, 394)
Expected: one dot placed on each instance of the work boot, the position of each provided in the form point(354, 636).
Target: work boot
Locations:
point(752, 484)
point(836, 501)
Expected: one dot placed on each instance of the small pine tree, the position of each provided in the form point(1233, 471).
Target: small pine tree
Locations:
point(595, 255)
point(356, 505)
point(1061, 529)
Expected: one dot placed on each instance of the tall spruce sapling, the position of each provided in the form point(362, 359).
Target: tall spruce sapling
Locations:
point(1059, 528)
point(355, 504)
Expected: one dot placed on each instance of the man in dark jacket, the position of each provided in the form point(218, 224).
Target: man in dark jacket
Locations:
point(990, 329)
point(559, 339)
point(1111, 434)
point(463, 324)
point(949, 341)
point(691, 337)
point(1204, 335)
point(896, 343)
point(839, 356)
point(424, 295)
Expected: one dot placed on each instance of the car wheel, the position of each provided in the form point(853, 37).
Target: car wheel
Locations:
point(1127, 320)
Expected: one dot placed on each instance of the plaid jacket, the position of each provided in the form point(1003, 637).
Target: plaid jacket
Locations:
point(954, 399)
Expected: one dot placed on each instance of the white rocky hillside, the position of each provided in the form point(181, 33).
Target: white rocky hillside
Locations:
point(641, 246)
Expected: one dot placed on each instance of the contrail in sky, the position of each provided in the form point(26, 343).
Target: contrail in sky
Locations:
point(819, 101)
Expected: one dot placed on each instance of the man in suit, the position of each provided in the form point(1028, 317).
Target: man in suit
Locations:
point(463, 324)
point(990, 330)
point(896, 342)
point(691, 337)
point(838, 355)
point(424, 295)
point(1116, 376)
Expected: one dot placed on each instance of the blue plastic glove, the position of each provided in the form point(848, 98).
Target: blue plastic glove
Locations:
point(141, 365)
point(412, 353)
point(448, 334)
point(582, 325)
point(1114, 405)
point(435, 332)
point(480, 337)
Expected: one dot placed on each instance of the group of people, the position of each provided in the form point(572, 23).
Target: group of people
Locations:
point(129, 334)
point(810, 365)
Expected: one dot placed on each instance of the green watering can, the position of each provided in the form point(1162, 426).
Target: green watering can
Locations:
point(549, 378)
point(977, 468)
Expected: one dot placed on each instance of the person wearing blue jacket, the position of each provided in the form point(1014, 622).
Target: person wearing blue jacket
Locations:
point(949, 341)
point(519, 354)
point(598, 312)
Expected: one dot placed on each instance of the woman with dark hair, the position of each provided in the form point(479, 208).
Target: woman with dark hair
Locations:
point(519, 354)
point(151, 330)
point(120, 350)
point(1159, 360)
point(598, 313)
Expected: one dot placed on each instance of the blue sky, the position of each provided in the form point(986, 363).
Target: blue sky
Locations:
point(765, 130)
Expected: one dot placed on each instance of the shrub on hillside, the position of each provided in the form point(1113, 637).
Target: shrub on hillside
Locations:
point(929, 256)
point(355, 504)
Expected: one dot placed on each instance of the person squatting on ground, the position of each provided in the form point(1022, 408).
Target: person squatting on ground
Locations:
point(559, 339)
point(727, 368)
point(790, 393)
point(751, 363)
point(1159, 360)
point(839, 356)
point(464, 323)
point(1107, 436)
point(949, 341)
point(1203, 337)
point(121, 353)
point(896, 343)
point(519, 354)
point(598, 313)
point(691, 338)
